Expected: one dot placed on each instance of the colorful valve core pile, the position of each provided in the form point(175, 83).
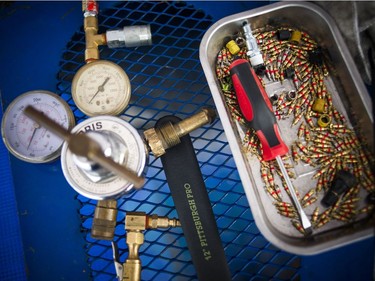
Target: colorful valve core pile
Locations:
point(322, 137)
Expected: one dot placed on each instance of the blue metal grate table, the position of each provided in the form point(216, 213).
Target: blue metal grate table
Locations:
point(166, 78)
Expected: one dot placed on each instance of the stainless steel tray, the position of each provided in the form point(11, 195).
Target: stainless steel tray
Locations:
point(350, 96)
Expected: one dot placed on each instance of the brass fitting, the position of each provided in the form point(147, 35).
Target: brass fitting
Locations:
point(154, 221)
point(132, 266)
point(319, 105)
point(296, 37)
point(324, 121)
point(104, 223)
point(160, 139)
point(135, 223)
point(93, 39)
point(139, 221)
point(131, 36)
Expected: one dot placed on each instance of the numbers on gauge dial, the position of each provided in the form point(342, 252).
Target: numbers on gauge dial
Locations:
point(25, 138)
point(101, 87)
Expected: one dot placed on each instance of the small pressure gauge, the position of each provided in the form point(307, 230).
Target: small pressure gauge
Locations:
point(25, 138)
point(101, 88)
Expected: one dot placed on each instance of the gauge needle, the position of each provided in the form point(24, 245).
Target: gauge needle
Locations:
point(83, 145)
point(36, 126)
point(100, 88)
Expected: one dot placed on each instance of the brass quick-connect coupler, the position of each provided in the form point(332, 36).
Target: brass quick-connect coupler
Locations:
point(104, 223)
point(135, 224)
point(160, 139)
point(128, 36)
point(139, 221)
point(154, 221)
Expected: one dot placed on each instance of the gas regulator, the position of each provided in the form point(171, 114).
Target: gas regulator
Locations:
point(120, 142)
point(104, 157)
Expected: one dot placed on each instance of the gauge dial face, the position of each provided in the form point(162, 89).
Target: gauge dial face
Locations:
point(136, 158)
point(25, 138)
point(101, 88)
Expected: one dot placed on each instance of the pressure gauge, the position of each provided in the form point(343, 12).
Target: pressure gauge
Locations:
point(101, 88)
point(119, 141)
point(25, 138)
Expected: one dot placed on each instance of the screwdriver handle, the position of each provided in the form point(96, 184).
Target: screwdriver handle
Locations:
point(257, 108)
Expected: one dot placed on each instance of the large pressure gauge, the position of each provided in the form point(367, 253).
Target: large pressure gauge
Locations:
point(120, 142)
point(101, 88)
point(25, 138)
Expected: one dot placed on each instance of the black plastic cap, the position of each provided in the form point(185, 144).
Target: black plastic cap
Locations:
point(329, 199)
point(370, 198)
point(289, 72)
point(283, 35)
point(260, 70)
point(316, 56)
point(343, 181)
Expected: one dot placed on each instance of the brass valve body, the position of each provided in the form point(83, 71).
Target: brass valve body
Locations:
point(93, 39)
point(135, 223)
point(169, 135)
point(104, 223)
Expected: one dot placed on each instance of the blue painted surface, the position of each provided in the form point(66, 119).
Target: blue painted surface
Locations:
point(33, 37)
point(12, 266)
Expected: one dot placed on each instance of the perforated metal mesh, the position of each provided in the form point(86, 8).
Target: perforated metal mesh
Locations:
point(167, 78)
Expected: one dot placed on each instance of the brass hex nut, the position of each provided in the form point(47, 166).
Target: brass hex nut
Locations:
point(153, 221)
point(134, 237)
point(154, 142)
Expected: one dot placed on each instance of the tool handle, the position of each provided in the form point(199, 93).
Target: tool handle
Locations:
point(257, 109)
point(82, 145)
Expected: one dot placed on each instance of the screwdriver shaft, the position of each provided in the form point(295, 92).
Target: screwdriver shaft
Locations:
point(306, 224)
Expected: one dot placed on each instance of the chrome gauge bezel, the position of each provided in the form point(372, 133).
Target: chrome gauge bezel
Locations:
point(36, 98)
point(118, 186)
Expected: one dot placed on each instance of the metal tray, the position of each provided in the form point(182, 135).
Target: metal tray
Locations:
point(348, 91)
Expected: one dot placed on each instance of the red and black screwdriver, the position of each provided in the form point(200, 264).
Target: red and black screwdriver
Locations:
point(257, 110)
